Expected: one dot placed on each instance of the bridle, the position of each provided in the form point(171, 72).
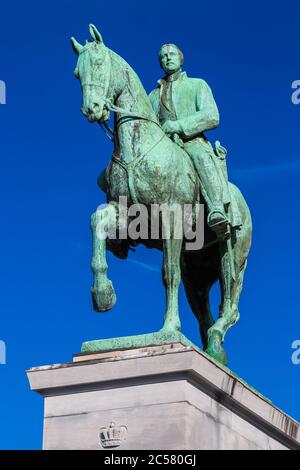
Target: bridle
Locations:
point(110, 106)
point(110, 133)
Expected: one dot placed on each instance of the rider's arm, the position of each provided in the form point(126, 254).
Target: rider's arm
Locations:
point(207, 115)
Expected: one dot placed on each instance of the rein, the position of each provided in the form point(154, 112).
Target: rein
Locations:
point(110, 133)
point(127, 166)
point(117, 109)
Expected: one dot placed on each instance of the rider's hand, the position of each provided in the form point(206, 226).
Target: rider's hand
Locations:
point(171, 127)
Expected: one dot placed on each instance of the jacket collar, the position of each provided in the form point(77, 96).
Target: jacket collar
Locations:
point(181, 77)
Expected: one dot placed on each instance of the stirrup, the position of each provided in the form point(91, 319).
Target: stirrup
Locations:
point(222, 227)
point(222, 216)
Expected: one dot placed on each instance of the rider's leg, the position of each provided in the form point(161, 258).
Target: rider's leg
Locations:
point(211, 186)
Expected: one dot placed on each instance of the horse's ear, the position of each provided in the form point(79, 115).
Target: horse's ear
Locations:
point(77, 48)
point(95, 34)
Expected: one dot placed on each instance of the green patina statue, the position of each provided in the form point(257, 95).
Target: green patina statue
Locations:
point(186, 108)
point(161, 156)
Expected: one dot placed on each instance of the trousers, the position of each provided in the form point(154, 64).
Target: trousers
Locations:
point(214, 188)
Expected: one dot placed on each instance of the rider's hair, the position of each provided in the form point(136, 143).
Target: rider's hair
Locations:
point(173, 45)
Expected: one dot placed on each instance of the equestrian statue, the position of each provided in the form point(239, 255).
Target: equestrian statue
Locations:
point(162, 156)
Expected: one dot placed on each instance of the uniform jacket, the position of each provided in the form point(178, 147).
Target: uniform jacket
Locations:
point(194, 105)
point(197, 112)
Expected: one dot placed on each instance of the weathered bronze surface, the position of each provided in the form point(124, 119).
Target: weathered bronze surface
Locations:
point(161, 156)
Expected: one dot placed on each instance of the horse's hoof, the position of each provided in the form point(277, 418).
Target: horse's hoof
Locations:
point(104, 299)
point(171, 327)
point(215, 349)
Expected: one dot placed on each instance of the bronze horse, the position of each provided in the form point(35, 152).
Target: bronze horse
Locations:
point(149, 168)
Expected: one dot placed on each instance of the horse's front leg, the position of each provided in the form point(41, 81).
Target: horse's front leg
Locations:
point(171, 279)
point(103, 294)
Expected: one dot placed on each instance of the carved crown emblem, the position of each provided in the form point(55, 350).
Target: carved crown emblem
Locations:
point(113, 435)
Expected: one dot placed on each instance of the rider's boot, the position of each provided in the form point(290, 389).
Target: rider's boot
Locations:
point(219, 223)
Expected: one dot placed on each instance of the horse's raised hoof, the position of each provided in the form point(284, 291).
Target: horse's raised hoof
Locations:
point(215, 349)
point(104, 299)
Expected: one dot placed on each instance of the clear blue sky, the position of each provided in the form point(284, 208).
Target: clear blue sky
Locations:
point(50, 157)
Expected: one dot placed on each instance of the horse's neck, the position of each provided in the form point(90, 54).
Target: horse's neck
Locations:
point(134, 136)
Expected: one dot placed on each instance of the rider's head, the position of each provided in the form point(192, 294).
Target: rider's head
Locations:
point(170, 58)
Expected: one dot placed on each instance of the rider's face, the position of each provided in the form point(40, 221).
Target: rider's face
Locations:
point(170, 59)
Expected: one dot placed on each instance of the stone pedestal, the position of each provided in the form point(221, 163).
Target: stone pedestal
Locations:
point(161, 397)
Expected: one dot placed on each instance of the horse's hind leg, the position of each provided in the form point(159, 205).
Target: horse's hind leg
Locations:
point(197, 292)
point(229, 314)
point(237, 289)
point(202, 311)
point(103, 293)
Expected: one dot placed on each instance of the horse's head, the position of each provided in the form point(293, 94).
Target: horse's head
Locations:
point(93, 71)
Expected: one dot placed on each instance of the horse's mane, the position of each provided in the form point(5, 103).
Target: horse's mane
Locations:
point(119, 65)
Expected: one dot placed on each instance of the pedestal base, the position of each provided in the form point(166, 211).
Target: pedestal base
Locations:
point(161, 397)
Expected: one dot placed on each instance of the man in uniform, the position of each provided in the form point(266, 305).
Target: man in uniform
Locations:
point(186, 109)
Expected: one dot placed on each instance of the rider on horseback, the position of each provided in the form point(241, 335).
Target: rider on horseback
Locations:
point(186, 108)
point(146, 167)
